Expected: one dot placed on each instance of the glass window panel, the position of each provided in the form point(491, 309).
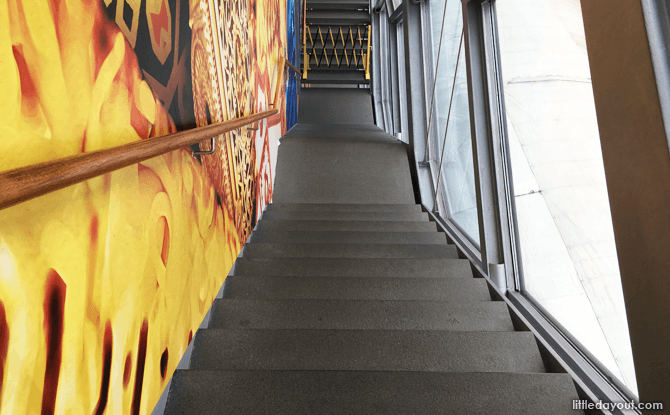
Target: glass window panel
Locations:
point(401, 121)
point(450, 144)
point(568, 252)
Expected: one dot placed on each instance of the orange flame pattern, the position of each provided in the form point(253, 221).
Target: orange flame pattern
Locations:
point(102, 284)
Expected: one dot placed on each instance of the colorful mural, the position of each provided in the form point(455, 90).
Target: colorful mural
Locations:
point(104, 283)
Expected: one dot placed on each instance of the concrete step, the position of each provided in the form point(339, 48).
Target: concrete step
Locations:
point(352, 288)
point(338, 4)
point(342, 74)
point(353, 267)
point(360, 315)
point(319, 106)
point(207, 392)
point(337, 133)
point(357, 216)
point(329, 171)
point(349, 237)
point(338, 17)
point(344, 226)
point(304, 250)
point(336, 79)
point(343, 207)
point(349, 139)
point(392, 350)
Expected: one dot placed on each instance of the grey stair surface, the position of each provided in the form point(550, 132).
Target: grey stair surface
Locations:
point(326, 207)
point(349, 216)
point(350, 237)
point(327, 106)
point(344, 76)
point(338, 17)
point(338, 4)
point(352, 288)
point(346, 225)
point(409, 350)
point(360, 315)
point(346, 299)
point(354, 267)
point(370, 392)
point(303, 250)
point(340, 132)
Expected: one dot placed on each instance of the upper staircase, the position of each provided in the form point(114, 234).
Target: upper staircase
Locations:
point(336, 45)
point(347, 299)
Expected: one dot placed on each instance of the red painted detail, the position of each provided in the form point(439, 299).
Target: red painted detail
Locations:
point(54, 310)
point(107, 345)
point(139, 373)
point(4, 343)
point(160, 22)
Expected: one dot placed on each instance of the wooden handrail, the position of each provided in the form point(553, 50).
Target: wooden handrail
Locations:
point(292, 66)
point(28, 182)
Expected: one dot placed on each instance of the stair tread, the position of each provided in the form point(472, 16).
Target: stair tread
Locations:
point(353, 288)
point(357, 216)
point(353, 267)
point(339, 132)
point(363, 392)
point(343, 207)
point(333, 250)
point(394, 350)
point(331, 106)
point(345, 226)
point(338, 3)
point(339, 17)
point(342, 81)
point(360, 315)
point(365, 237)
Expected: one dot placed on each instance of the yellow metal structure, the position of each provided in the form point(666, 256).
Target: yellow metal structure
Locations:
point(349, 50)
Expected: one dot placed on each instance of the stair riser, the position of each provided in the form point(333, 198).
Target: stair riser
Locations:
point(325, 207)
point(359, 392)
point(336, 81)
point(350, 216)
point(338, 18)
point(353, 267)
point(351, 288)
point(343, 226)
point(337, 5)
point(284, 250)
point(349, 237)
point(359, 315)
point(366, 350)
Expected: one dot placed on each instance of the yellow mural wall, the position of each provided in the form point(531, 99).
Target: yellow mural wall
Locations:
point(104, 283)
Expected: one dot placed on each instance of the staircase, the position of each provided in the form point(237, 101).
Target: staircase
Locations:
point(347, 300)
point(336, 43)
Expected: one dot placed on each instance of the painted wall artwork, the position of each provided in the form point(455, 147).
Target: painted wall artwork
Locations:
point(104, 283)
